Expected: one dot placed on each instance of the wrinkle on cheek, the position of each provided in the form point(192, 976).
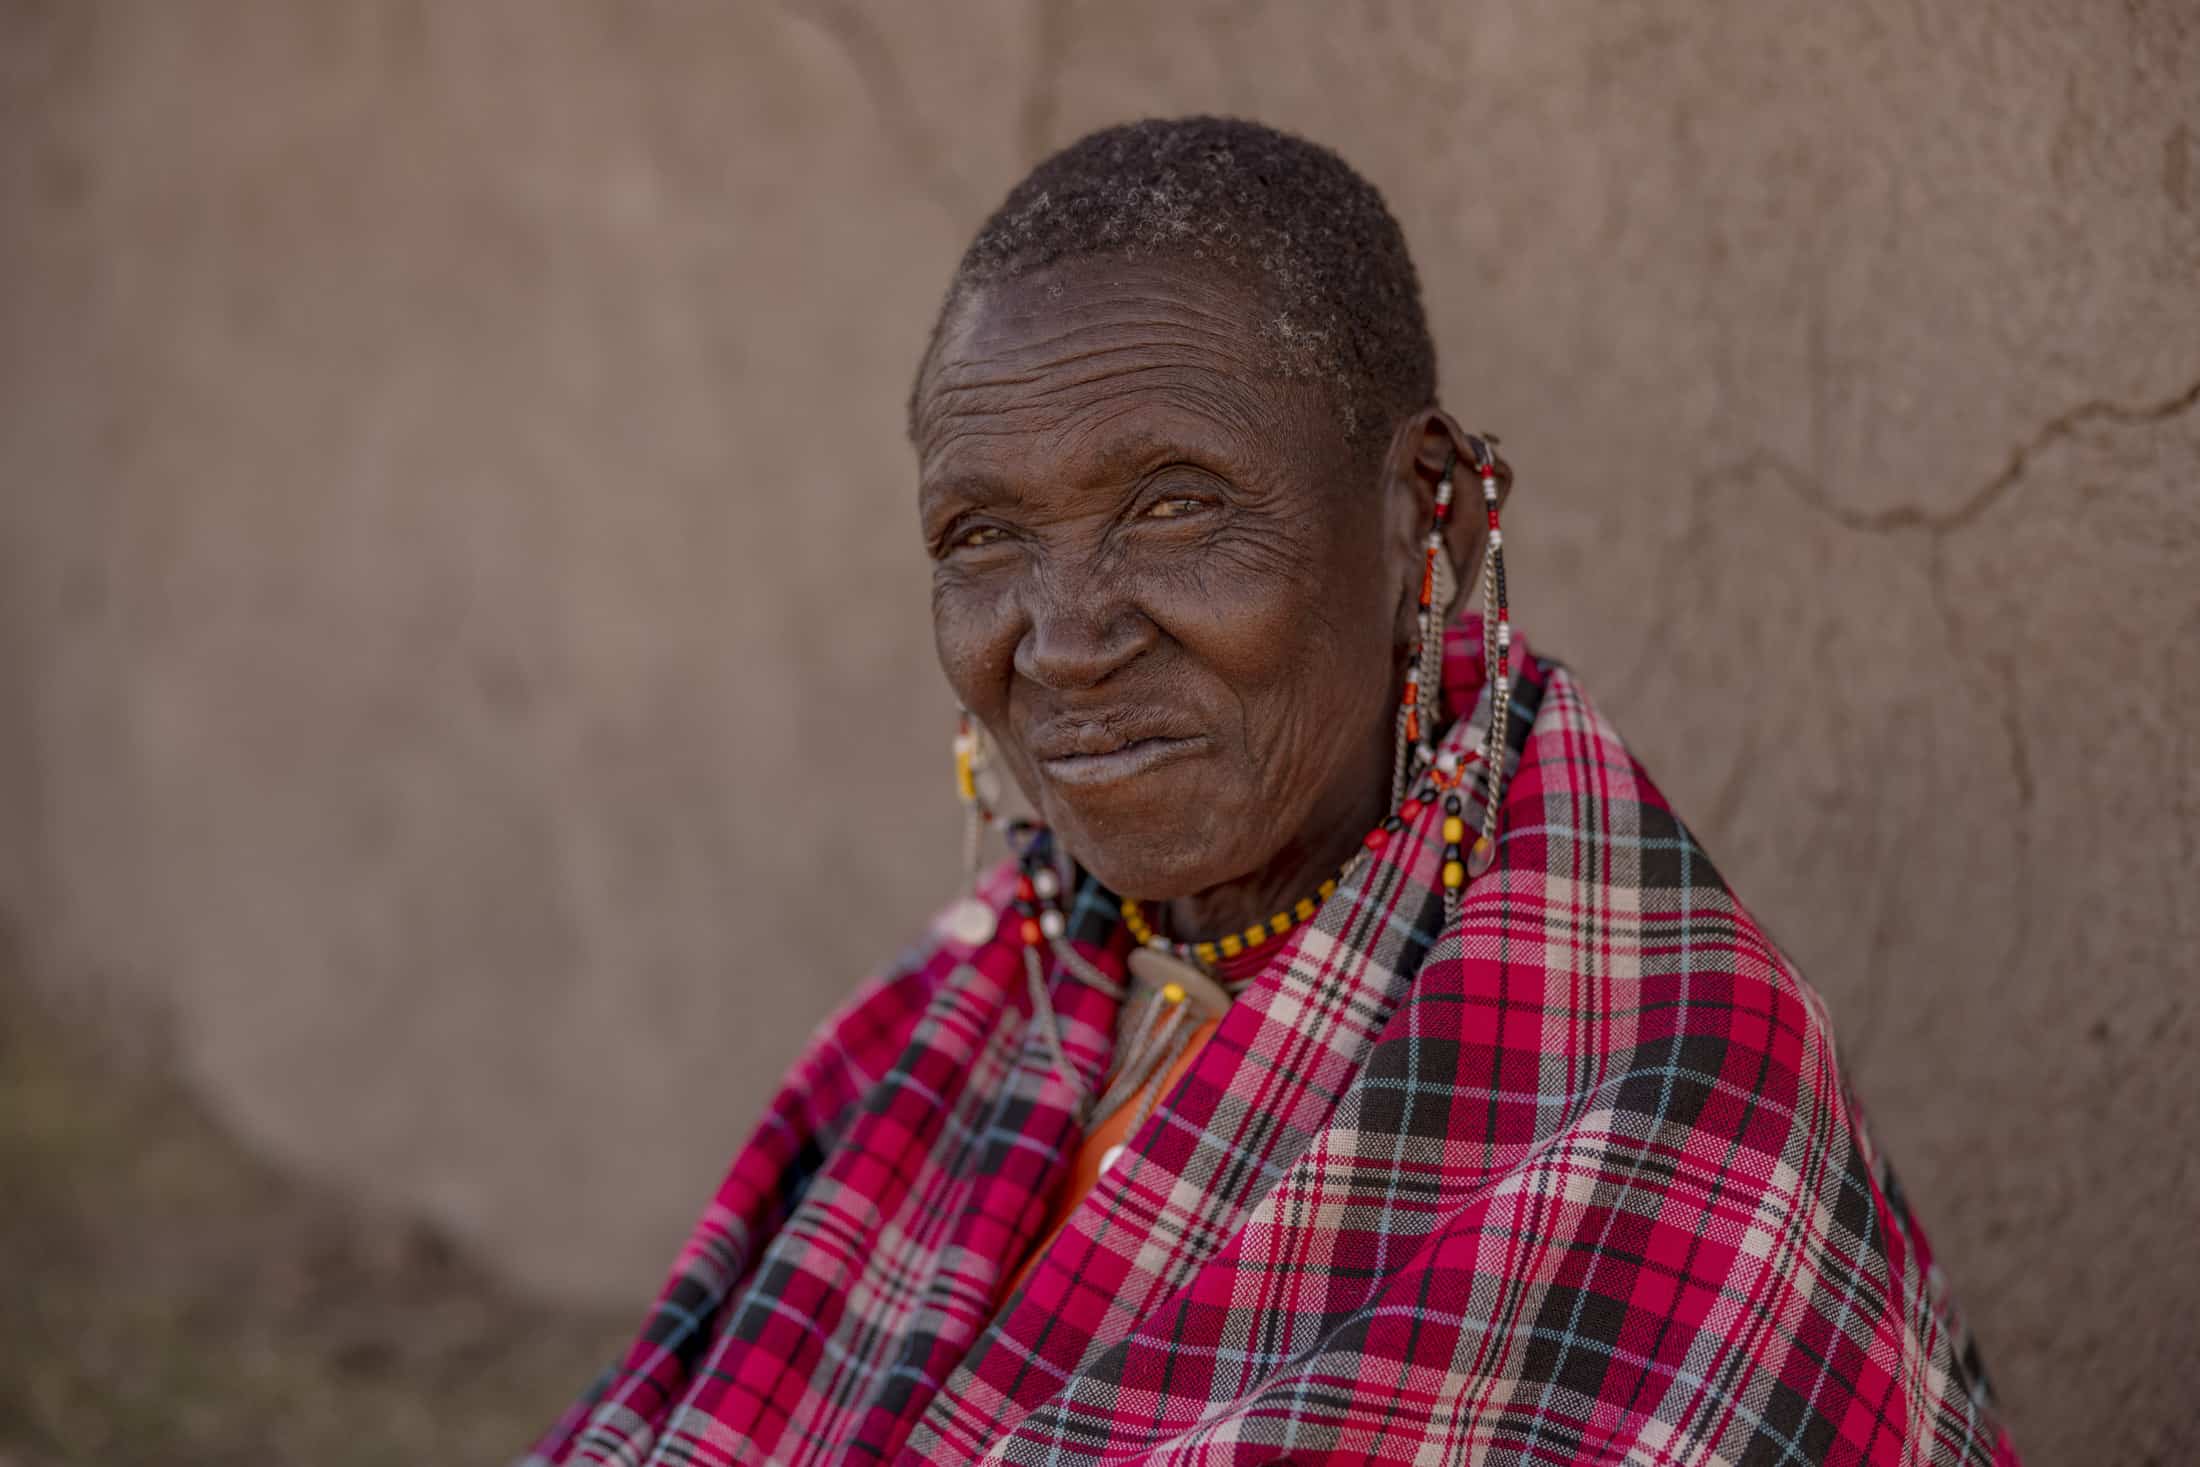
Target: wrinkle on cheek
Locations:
point(1238, 555)
point(1306, 699)
point(973, 635)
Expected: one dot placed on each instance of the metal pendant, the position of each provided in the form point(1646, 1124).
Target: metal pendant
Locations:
point(969, 922)
point(1153, 970)
point(1480, 857)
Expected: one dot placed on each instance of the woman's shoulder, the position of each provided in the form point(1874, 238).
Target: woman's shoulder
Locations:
point(1610, 845)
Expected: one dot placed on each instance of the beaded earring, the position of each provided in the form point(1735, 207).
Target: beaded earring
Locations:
point(969, 758)
point(1420, 708)
point(970, 920)
point(1496, 657)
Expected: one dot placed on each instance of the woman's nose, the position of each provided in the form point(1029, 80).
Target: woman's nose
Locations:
point(1082, 631)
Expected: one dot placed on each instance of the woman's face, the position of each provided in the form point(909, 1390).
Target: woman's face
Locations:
point(1161, 581)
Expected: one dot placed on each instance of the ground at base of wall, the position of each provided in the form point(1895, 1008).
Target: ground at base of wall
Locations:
point(166, 1298)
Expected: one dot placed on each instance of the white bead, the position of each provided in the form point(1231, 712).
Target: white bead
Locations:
point(1497, 539)
point(1448, 761)
point(968, 922)
point(1110, 1157)
point(1050, 923)
point(1504, 634)
point(1435, 540)
point(1046, 883)
point(1158, 943)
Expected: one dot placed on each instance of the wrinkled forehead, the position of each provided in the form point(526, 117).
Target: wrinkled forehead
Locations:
point(1102, 357)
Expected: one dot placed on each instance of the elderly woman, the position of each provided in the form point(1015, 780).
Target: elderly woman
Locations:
point(1356, 1060)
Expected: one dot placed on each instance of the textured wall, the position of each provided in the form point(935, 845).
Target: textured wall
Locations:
point(463, 662)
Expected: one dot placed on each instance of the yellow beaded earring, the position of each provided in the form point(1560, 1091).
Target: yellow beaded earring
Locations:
point(970, 920)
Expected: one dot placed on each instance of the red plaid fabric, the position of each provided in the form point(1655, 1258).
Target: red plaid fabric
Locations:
point(1572, 1178)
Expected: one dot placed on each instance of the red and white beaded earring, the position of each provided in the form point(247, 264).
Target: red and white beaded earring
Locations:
point(1496, 656)
point(1420, 707)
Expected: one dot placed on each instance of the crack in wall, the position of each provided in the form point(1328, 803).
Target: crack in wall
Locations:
point(2004, 694)
point(1936, 526)
point(1975, 504)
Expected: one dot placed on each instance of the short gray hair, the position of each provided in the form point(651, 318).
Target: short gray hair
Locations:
point(1314, 237)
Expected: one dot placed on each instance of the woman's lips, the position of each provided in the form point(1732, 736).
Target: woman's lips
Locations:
point(1139, 756)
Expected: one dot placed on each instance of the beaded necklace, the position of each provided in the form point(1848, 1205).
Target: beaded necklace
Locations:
point(1441, 779)
point(1173, 989)
point(1230, 944)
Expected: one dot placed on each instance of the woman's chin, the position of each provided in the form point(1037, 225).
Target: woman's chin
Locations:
point(1154, 855)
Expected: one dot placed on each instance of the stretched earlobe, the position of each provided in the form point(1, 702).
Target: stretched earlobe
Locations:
point(1496, 648)
point(1420, 708)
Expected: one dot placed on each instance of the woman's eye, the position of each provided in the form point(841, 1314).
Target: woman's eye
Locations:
point(982, 535)
point(1174, 508)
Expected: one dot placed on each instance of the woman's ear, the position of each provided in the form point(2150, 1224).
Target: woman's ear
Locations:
point(1426, 446)
point(1408, 498)
point(1431, 442)
point(1425, 443)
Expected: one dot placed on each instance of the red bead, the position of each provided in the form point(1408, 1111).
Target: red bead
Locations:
point(1377, 839)
point(1029, 931)
point(1410, 811)
point(1026, 890)
point(1413, 693)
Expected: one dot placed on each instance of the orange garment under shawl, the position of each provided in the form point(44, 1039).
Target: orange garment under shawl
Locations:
point(1085, 1167)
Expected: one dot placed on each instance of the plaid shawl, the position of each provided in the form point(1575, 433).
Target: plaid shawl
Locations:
point(1572, 1178)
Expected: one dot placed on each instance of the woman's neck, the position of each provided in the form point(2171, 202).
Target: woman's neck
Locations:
point(1330, 838)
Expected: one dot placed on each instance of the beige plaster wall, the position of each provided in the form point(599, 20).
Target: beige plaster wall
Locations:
point(463, 663)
